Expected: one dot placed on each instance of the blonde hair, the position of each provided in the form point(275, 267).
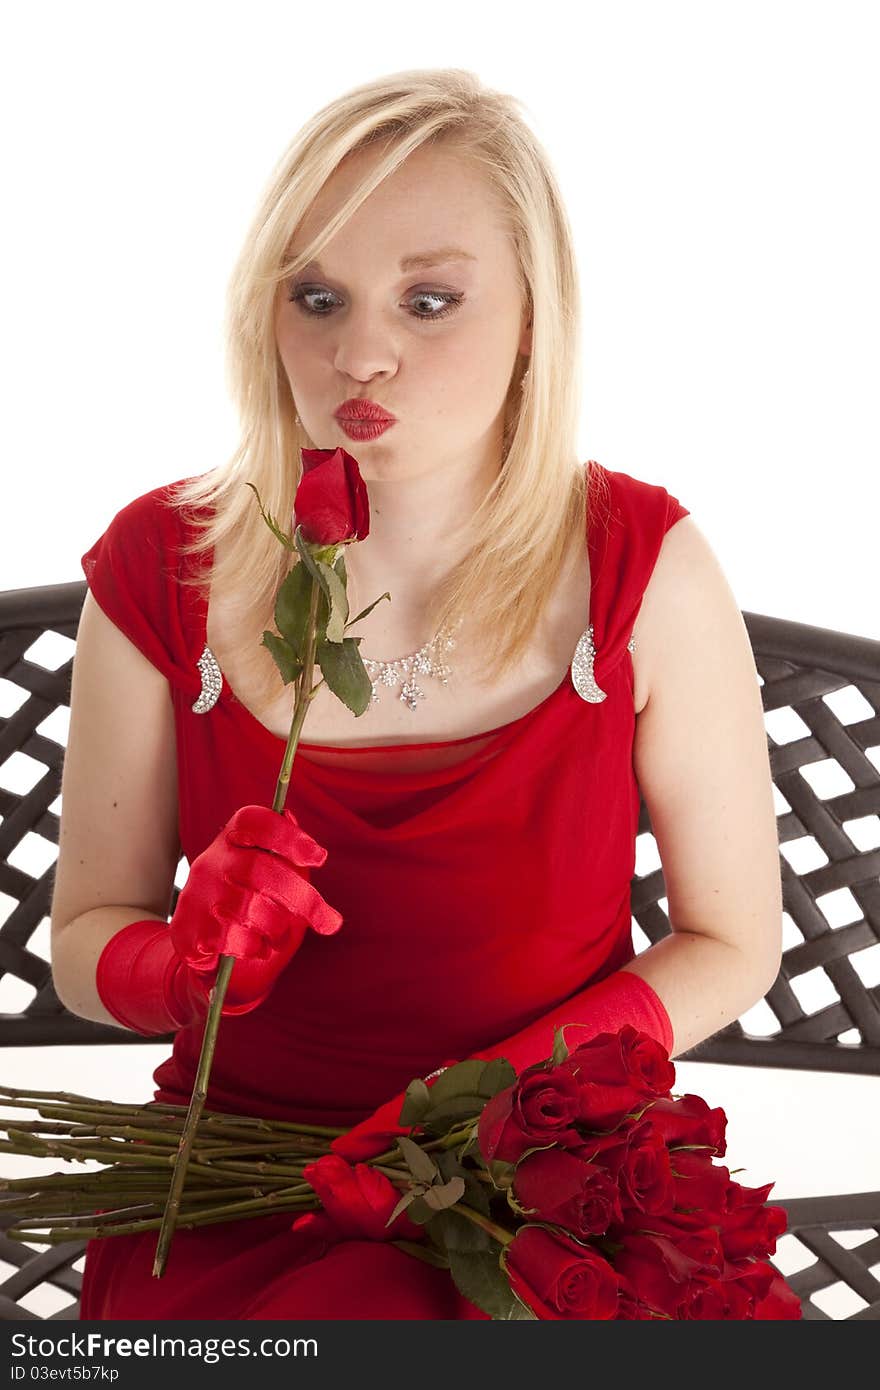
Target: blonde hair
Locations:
point(520, 536)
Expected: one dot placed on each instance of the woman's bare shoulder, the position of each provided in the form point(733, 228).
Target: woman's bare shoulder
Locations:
point(688, 610)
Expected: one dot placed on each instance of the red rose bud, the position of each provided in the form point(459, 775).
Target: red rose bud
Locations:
point(558, 1278)
point(555, 1186)
point(689, 1120)
point(331, 504)
point(626, 1058)
point(536, 1111)
point(359, 1200)
point(645, 1174)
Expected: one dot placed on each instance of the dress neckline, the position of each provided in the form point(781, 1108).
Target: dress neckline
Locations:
point(566, 683)
point(250, 717)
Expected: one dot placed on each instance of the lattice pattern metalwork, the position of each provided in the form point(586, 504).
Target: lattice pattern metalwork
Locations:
point(821, 697)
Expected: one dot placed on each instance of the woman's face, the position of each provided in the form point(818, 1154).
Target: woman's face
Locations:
point(434, 345)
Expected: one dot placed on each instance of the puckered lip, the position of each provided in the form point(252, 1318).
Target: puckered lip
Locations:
point(358, 408)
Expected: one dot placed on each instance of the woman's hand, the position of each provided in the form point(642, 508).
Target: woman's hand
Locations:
point(248, 895)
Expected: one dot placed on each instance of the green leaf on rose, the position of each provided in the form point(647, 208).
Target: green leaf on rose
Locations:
point(404, 1202)
point(517, 1206)
point(474, 1263)
point(461, 1091)
point(520, 1312)
point(308, 559)
point(417, 1099)
point(420, 1212)
point(326, 554)
point(560, 1048)
point(439, 1196)
point(292, 607)
point(449, 1113)
point(345, 673)
point(420, 1164)
point(364, 611)
point(284, 657)
point(462, 1078)
point(270, 521)
point(498, 1074)
point(501, 1172)
point(338, 603)
point(476, 1193)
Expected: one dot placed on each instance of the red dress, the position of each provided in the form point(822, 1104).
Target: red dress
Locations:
point(481, 881)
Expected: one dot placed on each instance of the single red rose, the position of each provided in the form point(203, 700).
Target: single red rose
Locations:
point(699, 1184)
point(555, 1186)
point(689, 1120)
point(627, 1057)
point(331, 504)
point(752, 1231)
point(357, 1201)
point(538, 1110)
point(558, 1278)
point(645, 1174)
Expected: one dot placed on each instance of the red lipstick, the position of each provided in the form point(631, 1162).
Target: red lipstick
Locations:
point(362, 419)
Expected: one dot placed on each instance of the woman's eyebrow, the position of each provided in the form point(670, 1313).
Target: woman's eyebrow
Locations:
point(420, 260)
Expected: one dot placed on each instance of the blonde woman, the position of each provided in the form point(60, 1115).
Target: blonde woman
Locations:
point(560, 639)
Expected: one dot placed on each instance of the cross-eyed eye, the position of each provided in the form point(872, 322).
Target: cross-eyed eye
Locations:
point(447, 300)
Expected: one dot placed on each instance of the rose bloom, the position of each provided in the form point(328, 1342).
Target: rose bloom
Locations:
point(645, 1174)
point(331, 503)
point(538, 1110)
point(558, 1278)
point(689, 1120)
point(556, 1186)
point(618, 1073)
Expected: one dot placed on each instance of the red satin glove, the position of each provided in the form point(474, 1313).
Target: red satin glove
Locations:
point(621, 998)
point(380, 1130)
point(247, 895)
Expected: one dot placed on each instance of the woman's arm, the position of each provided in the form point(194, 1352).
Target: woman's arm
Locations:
point(701, 761)
point(118, 846)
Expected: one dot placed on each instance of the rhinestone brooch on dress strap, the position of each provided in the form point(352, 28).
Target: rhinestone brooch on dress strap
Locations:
point(212, 682)
point(582, 667)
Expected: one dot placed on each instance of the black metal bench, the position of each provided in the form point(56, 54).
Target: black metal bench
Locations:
point(828, 680)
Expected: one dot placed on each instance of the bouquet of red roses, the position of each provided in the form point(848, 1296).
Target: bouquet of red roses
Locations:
point(581, 1189)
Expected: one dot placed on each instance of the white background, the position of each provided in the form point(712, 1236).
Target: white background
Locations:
point(718, 162)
